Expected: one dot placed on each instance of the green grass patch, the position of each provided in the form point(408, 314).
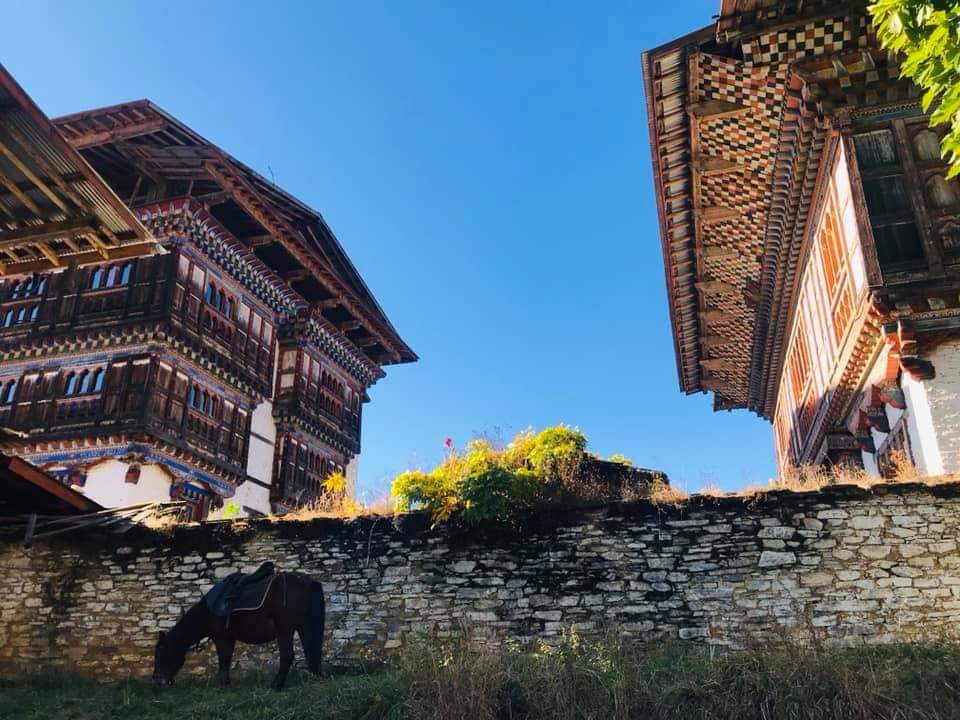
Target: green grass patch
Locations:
point(606, 680)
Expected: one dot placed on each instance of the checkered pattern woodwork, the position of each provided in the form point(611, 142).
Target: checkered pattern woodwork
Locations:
point(751, 139)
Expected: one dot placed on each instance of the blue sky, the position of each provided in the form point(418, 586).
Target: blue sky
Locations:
point(485, 165)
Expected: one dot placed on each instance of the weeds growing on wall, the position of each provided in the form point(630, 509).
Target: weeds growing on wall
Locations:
point(484, 482)
point(610, 679)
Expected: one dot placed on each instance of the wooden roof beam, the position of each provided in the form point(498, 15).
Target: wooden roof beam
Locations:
point(21, 195)
point(32, 177)
point(709, 341)
point(717, 213)
point(720, 364)
point(51, 172)
point(47, 231)
point(716, 287)
point(716, 109)
point(708, 165)
point(252, 202)
point(49, 254)
point(89, 138)
point(716, 317)
point(718, 252)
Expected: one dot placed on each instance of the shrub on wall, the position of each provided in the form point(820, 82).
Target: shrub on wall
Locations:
point(486, 483)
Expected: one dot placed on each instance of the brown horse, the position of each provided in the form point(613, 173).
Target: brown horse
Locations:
point(293, 603)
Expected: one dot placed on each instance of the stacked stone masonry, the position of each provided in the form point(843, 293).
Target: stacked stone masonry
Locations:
point(840, 565)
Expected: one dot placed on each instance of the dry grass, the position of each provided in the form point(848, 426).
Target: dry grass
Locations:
point(330, 506)
point(663, 494)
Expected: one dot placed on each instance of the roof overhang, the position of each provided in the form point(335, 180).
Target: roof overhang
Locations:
point(54, 208)
point(288, 235)
point(27, 489)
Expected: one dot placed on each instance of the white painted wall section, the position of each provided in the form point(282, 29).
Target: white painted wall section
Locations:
point(263, 441)
point(920, 426)
point(943, 398)
point(106, 485)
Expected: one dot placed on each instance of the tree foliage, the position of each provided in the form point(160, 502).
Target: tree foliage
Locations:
point(927, 34)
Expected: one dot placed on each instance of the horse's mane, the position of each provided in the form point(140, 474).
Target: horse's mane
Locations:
point(190, 629)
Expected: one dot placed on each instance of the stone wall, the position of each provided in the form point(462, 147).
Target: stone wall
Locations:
point(840, 565)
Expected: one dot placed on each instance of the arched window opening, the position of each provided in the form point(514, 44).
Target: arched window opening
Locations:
point(112, 276)
point(8, 318)
point(98, 380)
point(21, 315)
point(208, 295)
point(70, 387)
point(96, 278)
point(9, 390)
point(15, 290)
point(42, 285)
point(192, 398)
point(218, 302)
point(85, 381)
point(33, 313)
point(229, 308)
point(125, 274)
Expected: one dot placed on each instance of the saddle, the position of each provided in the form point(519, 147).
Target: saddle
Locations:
point(238, 591)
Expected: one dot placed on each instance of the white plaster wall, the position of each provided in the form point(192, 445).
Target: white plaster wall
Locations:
point(943, 397)
point(263, 441)
point(106, 485)
point(248, 495)
point(353, 469)
point(921, 426)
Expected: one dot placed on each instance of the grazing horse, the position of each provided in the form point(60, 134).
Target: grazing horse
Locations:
point(293, 603)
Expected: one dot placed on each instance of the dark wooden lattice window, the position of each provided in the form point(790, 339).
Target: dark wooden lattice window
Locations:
point(892, 219)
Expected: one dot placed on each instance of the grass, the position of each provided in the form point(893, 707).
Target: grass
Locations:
point(577, 680)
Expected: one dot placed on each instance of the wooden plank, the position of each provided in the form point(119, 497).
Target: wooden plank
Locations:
point(717, 213)
point(716, 109)
point(21, 196)
point(722, 364)
point(717, 287)
point(89, 138)
point(42, 163)
point(32, 177)
point(714, 317)
point(708, 341)
point(46, 231)
point(101, 246)
point(717, 252)
point(708, 165)
point(49, 254)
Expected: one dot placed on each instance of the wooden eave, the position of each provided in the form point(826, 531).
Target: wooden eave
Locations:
point(742, 19)
point(28, 489)
point(665, 88)
point(55, 210)
point(165, 151)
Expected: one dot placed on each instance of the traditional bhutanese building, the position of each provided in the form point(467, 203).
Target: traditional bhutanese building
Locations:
point(173, 325)
point(810, 238)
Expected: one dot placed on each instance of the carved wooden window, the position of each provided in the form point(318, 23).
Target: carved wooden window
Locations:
point(30, 287)
point(8, 392)
point(110, 276)
point(885, 190)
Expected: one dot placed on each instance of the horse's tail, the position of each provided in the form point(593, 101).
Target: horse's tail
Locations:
point(313, 627)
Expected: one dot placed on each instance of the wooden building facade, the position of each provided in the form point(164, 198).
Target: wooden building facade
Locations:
point(172, 325)
point(811, 240)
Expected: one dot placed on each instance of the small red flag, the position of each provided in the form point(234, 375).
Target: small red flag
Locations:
point(448, 442)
